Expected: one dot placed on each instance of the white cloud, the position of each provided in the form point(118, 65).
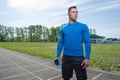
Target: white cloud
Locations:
point(35, 4)
point(100, 7)
point(59, 18)
point(88, 9)
point(111, 6)
point(59, 13)
point(43, 4)
point(5, 13)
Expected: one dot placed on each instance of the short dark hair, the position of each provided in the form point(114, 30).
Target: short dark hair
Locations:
point(71, 8)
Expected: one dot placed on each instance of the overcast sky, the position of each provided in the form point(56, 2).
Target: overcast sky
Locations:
point(103, 15)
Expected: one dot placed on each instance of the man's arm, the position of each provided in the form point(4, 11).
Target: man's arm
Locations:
point(87, 41)
point(86, 38)
point(60, 44)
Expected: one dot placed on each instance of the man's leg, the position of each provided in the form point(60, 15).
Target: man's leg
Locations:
point(67, 68)
point(81, 73)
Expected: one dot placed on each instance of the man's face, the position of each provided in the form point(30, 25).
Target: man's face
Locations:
point(73, 14)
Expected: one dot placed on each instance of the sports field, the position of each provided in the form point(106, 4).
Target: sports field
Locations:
point(103, 56)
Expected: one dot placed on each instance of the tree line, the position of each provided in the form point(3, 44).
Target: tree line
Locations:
point(32, 33)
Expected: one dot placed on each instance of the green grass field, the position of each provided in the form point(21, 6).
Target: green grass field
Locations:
point(103, 56)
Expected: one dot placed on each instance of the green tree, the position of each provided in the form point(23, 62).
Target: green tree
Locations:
point(57, 32)
point(22, 36)
point(38, 32)
point(90, 30)
point(1, 33)
point(17, 34)
point(4, 33)
point(25, 31)
point(52, 36)
point(11, 33)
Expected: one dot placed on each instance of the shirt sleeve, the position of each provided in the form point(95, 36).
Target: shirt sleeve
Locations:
point(87, 41)
point(60, 43)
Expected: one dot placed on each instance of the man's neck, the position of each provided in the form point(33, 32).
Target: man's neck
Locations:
point(72, 21)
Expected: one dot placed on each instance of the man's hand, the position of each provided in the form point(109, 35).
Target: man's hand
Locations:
point(57, 58)
point(85, 63)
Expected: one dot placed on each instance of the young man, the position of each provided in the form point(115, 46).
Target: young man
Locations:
point(72, 36)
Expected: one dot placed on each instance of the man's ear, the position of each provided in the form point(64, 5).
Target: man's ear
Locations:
point(68, 14)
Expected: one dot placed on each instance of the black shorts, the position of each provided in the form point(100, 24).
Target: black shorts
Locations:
point(70, 63)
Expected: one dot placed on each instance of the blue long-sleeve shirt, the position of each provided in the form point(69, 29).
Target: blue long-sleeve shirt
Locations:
point(72, 37)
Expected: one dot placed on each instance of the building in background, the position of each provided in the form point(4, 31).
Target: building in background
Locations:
point(97, 39)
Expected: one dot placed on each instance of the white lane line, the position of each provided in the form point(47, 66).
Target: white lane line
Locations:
point(35, 62)
point(33, 78)
point(45, 62)
point(6, 64)
point(54, 77)
point(18, 67)
point(97, 76)
point(9, 69)
point(22, 68)
point(25, 74)
point(9, 64)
